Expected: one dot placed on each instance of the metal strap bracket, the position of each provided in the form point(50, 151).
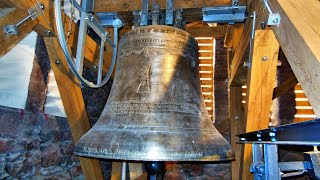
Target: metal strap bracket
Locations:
point(273, 18)
point(34, 12)
point(224, 14)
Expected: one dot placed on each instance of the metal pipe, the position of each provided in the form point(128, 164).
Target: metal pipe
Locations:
point(124, 171)
point(100, 65)
point(25, 19)
point(254, 16)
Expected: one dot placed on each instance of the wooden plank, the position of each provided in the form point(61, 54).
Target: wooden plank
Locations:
point(205, 54)
point(206, 68)
point(217, 32)
point(300, 95)
point(116, 170)
point(206, 75)
point(73, 103)
point(21, 4)
point(135, 170)
point(236, 35)
point(124, 5)
point(261, 81)
point(284, 87)
point(207, 41)
point(236, 127)
point(205, 61)
point(9, 41)
point(304, 111)
point(228, 36)
point(299, 37)
point(303, 103)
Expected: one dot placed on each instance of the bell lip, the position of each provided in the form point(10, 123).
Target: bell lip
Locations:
point(204, 159)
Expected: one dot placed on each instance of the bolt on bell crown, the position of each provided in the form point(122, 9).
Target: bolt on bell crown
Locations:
point(155, 110)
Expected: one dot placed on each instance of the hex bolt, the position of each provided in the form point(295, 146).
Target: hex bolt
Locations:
point(242, 139)
point(275, 20)
point(263, 25)
point(48, 33)
point(57, 61)
point(41, 6)
point(236, 3)
point(264, 58)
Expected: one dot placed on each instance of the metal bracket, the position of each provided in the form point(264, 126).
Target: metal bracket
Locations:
point(303, 133)
point(178, 19)
point(107, 18)
point(34, 12)
point(169, 12)
point(144, 13)
point(273, 18)
point(235, 3)
point(225, 14)
point(155, 13)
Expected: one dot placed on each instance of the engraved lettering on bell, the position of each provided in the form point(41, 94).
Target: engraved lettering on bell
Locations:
point(155, 110)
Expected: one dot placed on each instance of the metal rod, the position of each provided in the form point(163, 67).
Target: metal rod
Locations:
point(169, 12)
point(155, 13)
point(124, 171)
point(254, 16)
point(24, 19)
point(81, 42)
point(266, 3)
point(144, 13)
point(100, 65)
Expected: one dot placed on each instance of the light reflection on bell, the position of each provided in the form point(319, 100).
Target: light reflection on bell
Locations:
point(155, 110)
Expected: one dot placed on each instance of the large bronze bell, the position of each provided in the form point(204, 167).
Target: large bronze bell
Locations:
point(155, 110)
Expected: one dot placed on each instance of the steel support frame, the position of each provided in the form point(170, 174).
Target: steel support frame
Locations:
point(265, 143)
point(265, 162)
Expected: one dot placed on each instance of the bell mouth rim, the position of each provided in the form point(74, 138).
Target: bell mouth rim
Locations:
point(211, 158)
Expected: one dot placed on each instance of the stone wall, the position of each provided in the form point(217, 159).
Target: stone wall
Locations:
point(36, 146)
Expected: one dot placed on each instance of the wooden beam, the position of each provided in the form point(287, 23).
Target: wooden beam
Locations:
point(284, 87)
point(236, 35)
point(124, 5)
point(228, 36)
point(217, 32)
point(12, 17)
point(261, 81)
point(237, 125)
point(299, 38)
point(73, 103)
point(21, 4)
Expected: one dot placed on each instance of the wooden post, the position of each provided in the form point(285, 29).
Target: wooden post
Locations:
point(261, 82)
point(237, 126)
point(73, 103)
